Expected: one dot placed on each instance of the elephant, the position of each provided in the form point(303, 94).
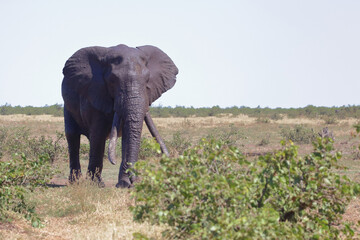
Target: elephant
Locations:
point(107, 93)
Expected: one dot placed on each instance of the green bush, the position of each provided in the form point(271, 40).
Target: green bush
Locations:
point(149, 148)
point(213, 192)
point(299, 134)
point(17, 177)
point(24, 165)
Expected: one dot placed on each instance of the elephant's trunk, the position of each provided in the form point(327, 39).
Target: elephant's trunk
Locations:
point(131, 138)
point(113, 138)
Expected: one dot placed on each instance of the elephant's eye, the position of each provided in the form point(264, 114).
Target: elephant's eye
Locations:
point(117, 60)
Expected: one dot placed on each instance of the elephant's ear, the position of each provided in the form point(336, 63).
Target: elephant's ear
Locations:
point(162, 72)
point(83, 74)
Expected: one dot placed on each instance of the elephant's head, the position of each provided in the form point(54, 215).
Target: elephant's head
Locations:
point(122, 82)
point(135, 78)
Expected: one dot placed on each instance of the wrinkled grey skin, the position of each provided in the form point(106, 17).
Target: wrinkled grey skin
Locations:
point(107, 93)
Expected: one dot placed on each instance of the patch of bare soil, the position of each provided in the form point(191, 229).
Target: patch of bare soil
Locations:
point(352, 214)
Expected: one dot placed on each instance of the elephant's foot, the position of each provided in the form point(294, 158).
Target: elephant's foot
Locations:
point(98, 181)
point(101, 184)
point(123, 184)
point(134, 179)
point(74, 176)
point(126, 182)
point(96, 178)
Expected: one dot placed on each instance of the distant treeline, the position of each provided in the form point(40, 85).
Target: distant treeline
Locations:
point(159, 111)
point(270, 113)
point(55, 110)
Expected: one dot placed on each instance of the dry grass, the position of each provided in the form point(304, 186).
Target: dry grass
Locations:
point(82, 211)
point(179, 121)
point(242, 120)
point(27, 118)
point(38, 124)
point(202, 121)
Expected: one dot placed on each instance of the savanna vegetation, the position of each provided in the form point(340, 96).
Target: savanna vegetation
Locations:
point(235, 173)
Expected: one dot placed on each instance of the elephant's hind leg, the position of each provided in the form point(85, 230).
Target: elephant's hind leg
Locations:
point(73, 138)
point(74, 145)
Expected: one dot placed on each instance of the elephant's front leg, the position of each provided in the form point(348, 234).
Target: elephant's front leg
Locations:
point(97, 147)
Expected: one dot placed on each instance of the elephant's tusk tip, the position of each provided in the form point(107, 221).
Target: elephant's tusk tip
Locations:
point(112, 162)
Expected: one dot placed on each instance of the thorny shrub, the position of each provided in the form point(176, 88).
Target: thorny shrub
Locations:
point(213, 192)
point(18, 140)
point(299, 134)
point(178, 144)
point(230, 136)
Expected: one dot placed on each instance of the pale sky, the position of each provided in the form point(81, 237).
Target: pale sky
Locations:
point(229, 52)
